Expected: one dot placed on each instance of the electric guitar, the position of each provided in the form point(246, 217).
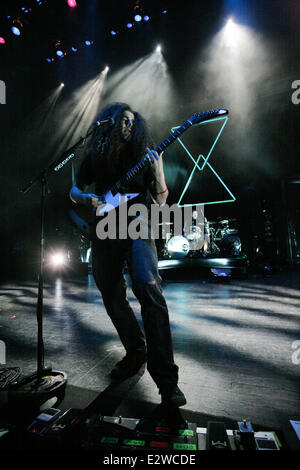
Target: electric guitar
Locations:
point(113, 198)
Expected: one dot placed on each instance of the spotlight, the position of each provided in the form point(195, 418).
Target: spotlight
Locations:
point(129, 25)
point(74, 49)
point(72, 3)
point(48, 60)
point(164, 12)
point(113, 33)
point(16, 31)
point(62, 84)
point(88, 43)
point(2, 40)
point(146, 18)
point(231, 33)
point(230, 25)
point(58, 259)
point(137, 18)
point(158, 48)
point(106, 69)
point(59, 53)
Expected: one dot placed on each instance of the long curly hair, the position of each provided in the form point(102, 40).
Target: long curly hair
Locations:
point(107, 140)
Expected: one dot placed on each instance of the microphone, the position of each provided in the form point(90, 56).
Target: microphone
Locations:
point(110, 121)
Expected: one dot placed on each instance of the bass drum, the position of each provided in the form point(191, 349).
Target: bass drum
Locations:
point(178, 247)
point(231, 245)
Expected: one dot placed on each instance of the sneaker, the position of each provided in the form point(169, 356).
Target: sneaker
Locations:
point(171, 395)
point(127, 367)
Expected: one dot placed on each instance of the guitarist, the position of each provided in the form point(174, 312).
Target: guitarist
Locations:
point(114, 150)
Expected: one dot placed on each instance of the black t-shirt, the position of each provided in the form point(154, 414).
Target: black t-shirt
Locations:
point(104, 173)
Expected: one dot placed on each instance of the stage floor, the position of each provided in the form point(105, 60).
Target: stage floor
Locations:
point(234, 343)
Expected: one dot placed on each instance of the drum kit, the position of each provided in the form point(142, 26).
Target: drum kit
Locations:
point(202, 240)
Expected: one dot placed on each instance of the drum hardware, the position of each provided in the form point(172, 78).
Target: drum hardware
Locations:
point(224, 240)
point(216, 239)
point(193, 233)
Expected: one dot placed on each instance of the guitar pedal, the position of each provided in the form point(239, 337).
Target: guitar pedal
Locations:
point(43, 421)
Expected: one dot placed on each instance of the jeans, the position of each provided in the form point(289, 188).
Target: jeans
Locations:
point(108, 259)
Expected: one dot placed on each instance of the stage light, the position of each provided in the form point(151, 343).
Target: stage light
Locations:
point(74, 49)
point(231, 32)
point(129, 25)
point(62, 84)
point(158, 48)
point(113, 33)
point(72, 3)
point(58, 259)
point(146, 18)
point(137, 18)
point(230, 25)
point(48, 60)
point(2, 40)
point(164, 12)
point(16, 31)
point(59, 53)
point(106, 69)
point(88, 43)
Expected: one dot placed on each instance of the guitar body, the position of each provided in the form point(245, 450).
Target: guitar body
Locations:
point(83, 217)
point(112, 201)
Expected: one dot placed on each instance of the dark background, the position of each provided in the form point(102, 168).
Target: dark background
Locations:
point(257, 155)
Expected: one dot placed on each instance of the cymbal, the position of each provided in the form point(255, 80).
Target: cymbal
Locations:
point(225, 221)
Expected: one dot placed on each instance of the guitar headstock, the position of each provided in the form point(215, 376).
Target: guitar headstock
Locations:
point(199, 117)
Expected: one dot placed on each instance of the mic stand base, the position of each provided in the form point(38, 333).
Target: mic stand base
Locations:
point(37, 389)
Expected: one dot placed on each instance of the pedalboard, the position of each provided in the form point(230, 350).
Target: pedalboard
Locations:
point(105, 432)
point(72, 428)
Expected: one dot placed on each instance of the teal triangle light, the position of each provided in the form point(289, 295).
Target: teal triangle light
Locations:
point(204, 163)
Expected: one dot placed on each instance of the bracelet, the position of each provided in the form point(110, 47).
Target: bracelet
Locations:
point(162, 191)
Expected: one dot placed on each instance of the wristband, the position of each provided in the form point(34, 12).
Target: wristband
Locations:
point(162, 191)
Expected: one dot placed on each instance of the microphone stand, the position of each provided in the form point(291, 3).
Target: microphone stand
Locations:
point(45, 382)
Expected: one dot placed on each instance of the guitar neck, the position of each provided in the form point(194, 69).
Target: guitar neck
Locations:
point(195, 119)
point(145, 161)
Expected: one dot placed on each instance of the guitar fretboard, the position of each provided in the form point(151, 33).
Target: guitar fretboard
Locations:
point(196, 118)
